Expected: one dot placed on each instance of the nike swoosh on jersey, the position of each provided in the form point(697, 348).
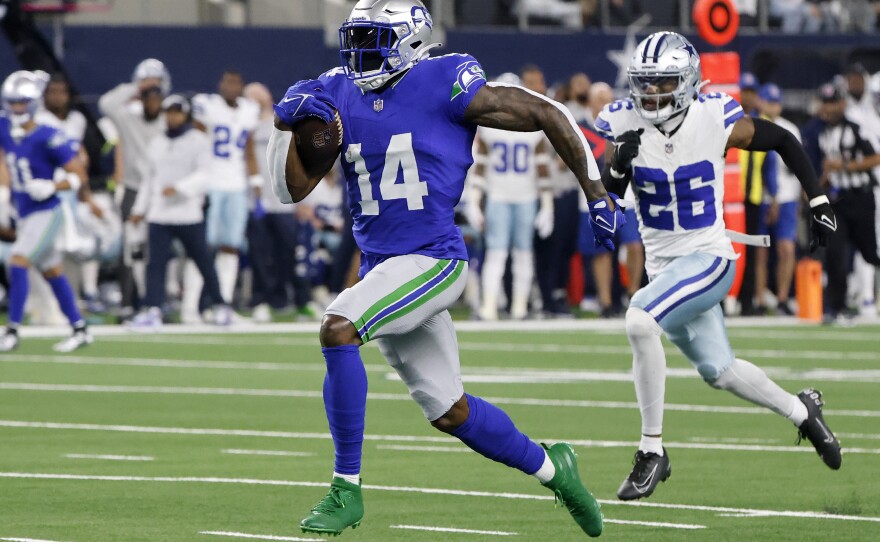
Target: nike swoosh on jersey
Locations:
point(644, 487)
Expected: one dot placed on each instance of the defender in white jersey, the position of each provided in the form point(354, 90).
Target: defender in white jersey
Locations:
point(512, 170)
point(229, 119)
point(670, 141)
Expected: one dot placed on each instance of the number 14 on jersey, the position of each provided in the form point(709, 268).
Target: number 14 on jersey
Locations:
point(399, 155)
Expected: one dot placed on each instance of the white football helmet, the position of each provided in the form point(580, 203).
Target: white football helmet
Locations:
point(22, 93)
point(661, 59)
point(151, 68)
point(383, 37)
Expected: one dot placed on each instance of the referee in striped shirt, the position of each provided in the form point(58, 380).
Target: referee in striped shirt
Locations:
point(850, 162)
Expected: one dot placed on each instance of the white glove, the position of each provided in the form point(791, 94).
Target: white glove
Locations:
point(544, 218)
point(472, 210)
point(40, 189)
point(474, 215)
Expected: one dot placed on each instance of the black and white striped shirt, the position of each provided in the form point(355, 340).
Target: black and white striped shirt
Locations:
point(848, 142)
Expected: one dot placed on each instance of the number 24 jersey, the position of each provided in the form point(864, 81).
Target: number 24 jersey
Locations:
point(678, 180)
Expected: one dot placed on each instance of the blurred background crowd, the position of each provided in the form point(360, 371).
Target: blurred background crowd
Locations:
point(181, 218)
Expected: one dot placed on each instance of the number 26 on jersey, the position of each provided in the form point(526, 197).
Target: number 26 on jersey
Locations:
point(694, 196)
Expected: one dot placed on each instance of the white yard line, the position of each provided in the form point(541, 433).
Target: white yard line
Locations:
point(111, 457)
point(688, 526)
point(529, 348)
point(804, 334)
point(451, 530)
point(404, 448)
point(27, 540)
point(499, 375)
point(177, 363)
point(866, 436)
point(495, 375)
point(231, 534)
point(438, 491)
point(317, 394)
point(729, 440)
point(409, 438)
point(281, 453)
point(584, 325)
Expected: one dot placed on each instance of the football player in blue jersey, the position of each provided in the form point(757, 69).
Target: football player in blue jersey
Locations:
point(408, 124)
point(670, 141)
point(31, 154)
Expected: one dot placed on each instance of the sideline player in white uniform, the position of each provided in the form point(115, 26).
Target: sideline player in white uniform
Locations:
point(229, 120)
point(670, 141)
point(512, 170)
point(408, 124)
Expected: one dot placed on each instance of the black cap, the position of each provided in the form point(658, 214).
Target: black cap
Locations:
point(830, 93)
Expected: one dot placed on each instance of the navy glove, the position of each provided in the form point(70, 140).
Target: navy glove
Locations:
point(306, 99)
point(606, 222)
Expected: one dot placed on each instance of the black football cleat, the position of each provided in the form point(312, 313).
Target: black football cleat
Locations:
point(649, 469)
point(815, 430)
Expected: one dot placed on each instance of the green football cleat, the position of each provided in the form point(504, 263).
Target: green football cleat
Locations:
point(570, 491)
point(342, 507)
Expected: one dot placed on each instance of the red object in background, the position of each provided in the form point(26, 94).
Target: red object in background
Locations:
point(717, 21)
point(722, 70)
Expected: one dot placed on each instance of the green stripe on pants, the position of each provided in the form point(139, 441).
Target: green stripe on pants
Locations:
point(429, 295)
point(401, 292)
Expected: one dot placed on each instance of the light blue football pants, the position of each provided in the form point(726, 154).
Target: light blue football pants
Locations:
point(684, 299)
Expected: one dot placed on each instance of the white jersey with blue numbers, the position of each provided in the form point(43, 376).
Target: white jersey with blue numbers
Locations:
point(678, 180)
point(228, 128)
point(511, 172)
point(36, 155)
point(405, 153)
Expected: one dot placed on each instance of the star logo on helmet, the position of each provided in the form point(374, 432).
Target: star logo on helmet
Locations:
point(690, 49)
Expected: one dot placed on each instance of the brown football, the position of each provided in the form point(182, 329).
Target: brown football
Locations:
point(318, 144)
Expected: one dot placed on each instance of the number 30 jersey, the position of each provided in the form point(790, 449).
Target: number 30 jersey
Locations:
point(678, 180)
point(511, 165)
point(405, 154)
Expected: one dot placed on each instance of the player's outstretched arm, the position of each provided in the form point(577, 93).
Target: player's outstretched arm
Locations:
point(760, 135)
point(520, 110)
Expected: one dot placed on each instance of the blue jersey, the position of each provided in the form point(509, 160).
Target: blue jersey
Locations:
point(35, 156)
point(405, 154)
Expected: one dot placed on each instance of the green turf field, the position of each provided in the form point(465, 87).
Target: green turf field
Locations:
point(226, 433)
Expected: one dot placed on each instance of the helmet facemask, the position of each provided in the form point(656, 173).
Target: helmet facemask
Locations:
point(369, 51)
point(374, 47)
point(658, 96)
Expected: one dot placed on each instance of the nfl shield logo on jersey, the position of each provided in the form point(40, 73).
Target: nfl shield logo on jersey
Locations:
point(378, 105)
point(669, 148)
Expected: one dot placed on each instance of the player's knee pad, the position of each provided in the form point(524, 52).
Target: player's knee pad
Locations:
point(640, 324)
point(709, 360)
point(712, 374)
